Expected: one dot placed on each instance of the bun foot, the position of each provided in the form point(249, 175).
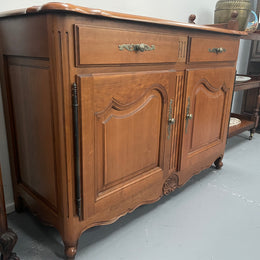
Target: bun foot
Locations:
point(218, 163)
point(70, 252)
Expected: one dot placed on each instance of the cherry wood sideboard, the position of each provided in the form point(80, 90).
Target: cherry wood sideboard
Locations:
point(106, 112)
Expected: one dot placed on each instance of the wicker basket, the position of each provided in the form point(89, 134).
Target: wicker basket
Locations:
point(224, 8)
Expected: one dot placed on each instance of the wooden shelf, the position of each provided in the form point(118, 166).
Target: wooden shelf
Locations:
point(252, 36)
point(246, 124)
point(253, 83)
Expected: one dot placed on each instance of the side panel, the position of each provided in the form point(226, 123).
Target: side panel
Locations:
point(31, 102)
point(24, 36)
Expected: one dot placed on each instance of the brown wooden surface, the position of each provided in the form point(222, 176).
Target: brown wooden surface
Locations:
point(209, 97)
point(130, 153)
point(246, 124)
point(129, 111)
point(30, 91)
point(199, 50)
point(252, 36)
point(65, 7)
point(254, 82)
point(90, 50)
point(33, 28)
point(250, 110)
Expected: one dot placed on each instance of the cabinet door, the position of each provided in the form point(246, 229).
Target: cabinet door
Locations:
point(124, 128)
point(208, 100)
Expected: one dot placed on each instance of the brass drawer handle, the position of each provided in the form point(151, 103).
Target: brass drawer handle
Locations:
point(136, 47)
point(217, 50)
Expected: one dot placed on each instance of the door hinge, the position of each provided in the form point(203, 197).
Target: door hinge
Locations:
point(75, 106)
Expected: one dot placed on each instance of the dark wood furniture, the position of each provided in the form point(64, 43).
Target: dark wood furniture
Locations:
point(250, 109)
point(106, 112)
point(249, 115)
point(7, 237)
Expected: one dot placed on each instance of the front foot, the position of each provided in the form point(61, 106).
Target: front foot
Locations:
point(7, 243)
point(218, 163)
point(252, 131)
point(70, 251)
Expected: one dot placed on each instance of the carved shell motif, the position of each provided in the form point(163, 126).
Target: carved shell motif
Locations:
point(170, 184)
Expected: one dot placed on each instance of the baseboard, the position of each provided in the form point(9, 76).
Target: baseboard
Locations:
point(9, 207)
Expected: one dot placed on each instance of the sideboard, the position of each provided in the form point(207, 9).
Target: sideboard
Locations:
point(106, 112)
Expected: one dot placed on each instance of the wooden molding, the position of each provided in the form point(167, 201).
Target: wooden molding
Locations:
point(64, 7)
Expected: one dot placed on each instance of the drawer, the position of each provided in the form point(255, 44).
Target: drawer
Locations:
point(95, 45)
point(214, 49)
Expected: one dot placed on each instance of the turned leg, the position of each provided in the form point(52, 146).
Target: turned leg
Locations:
point(70, 239)
point(252, 131)
point(218, 163)
point(7, 243)
point(70, 250)
point(255, 116)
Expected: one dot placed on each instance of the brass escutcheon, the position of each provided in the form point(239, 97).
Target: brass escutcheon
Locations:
point(217, 50)
point(136, 47)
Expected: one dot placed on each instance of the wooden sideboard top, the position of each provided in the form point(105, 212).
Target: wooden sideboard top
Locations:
point(66, 7)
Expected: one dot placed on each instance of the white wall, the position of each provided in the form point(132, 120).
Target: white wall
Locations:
point(165, 9)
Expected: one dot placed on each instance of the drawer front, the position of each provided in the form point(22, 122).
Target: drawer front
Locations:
point(214, 49)
point(114, 46)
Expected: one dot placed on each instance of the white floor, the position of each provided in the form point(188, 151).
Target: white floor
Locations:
point(215, 216)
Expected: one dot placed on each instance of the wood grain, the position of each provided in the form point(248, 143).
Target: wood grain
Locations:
point(131, 150)
point(200, 50)
point(65, 7)
point(90, 50)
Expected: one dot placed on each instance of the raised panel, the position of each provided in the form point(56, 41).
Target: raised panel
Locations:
point(124, 139)
point(208, 111)
point(208, 100)
point(122, 131)
point(28, 39)
point(32, 112)
point(96, 45)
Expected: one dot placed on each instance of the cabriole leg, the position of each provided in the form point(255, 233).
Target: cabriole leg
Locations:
point(70, 250)
point(218, 163)
point(252, 131)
